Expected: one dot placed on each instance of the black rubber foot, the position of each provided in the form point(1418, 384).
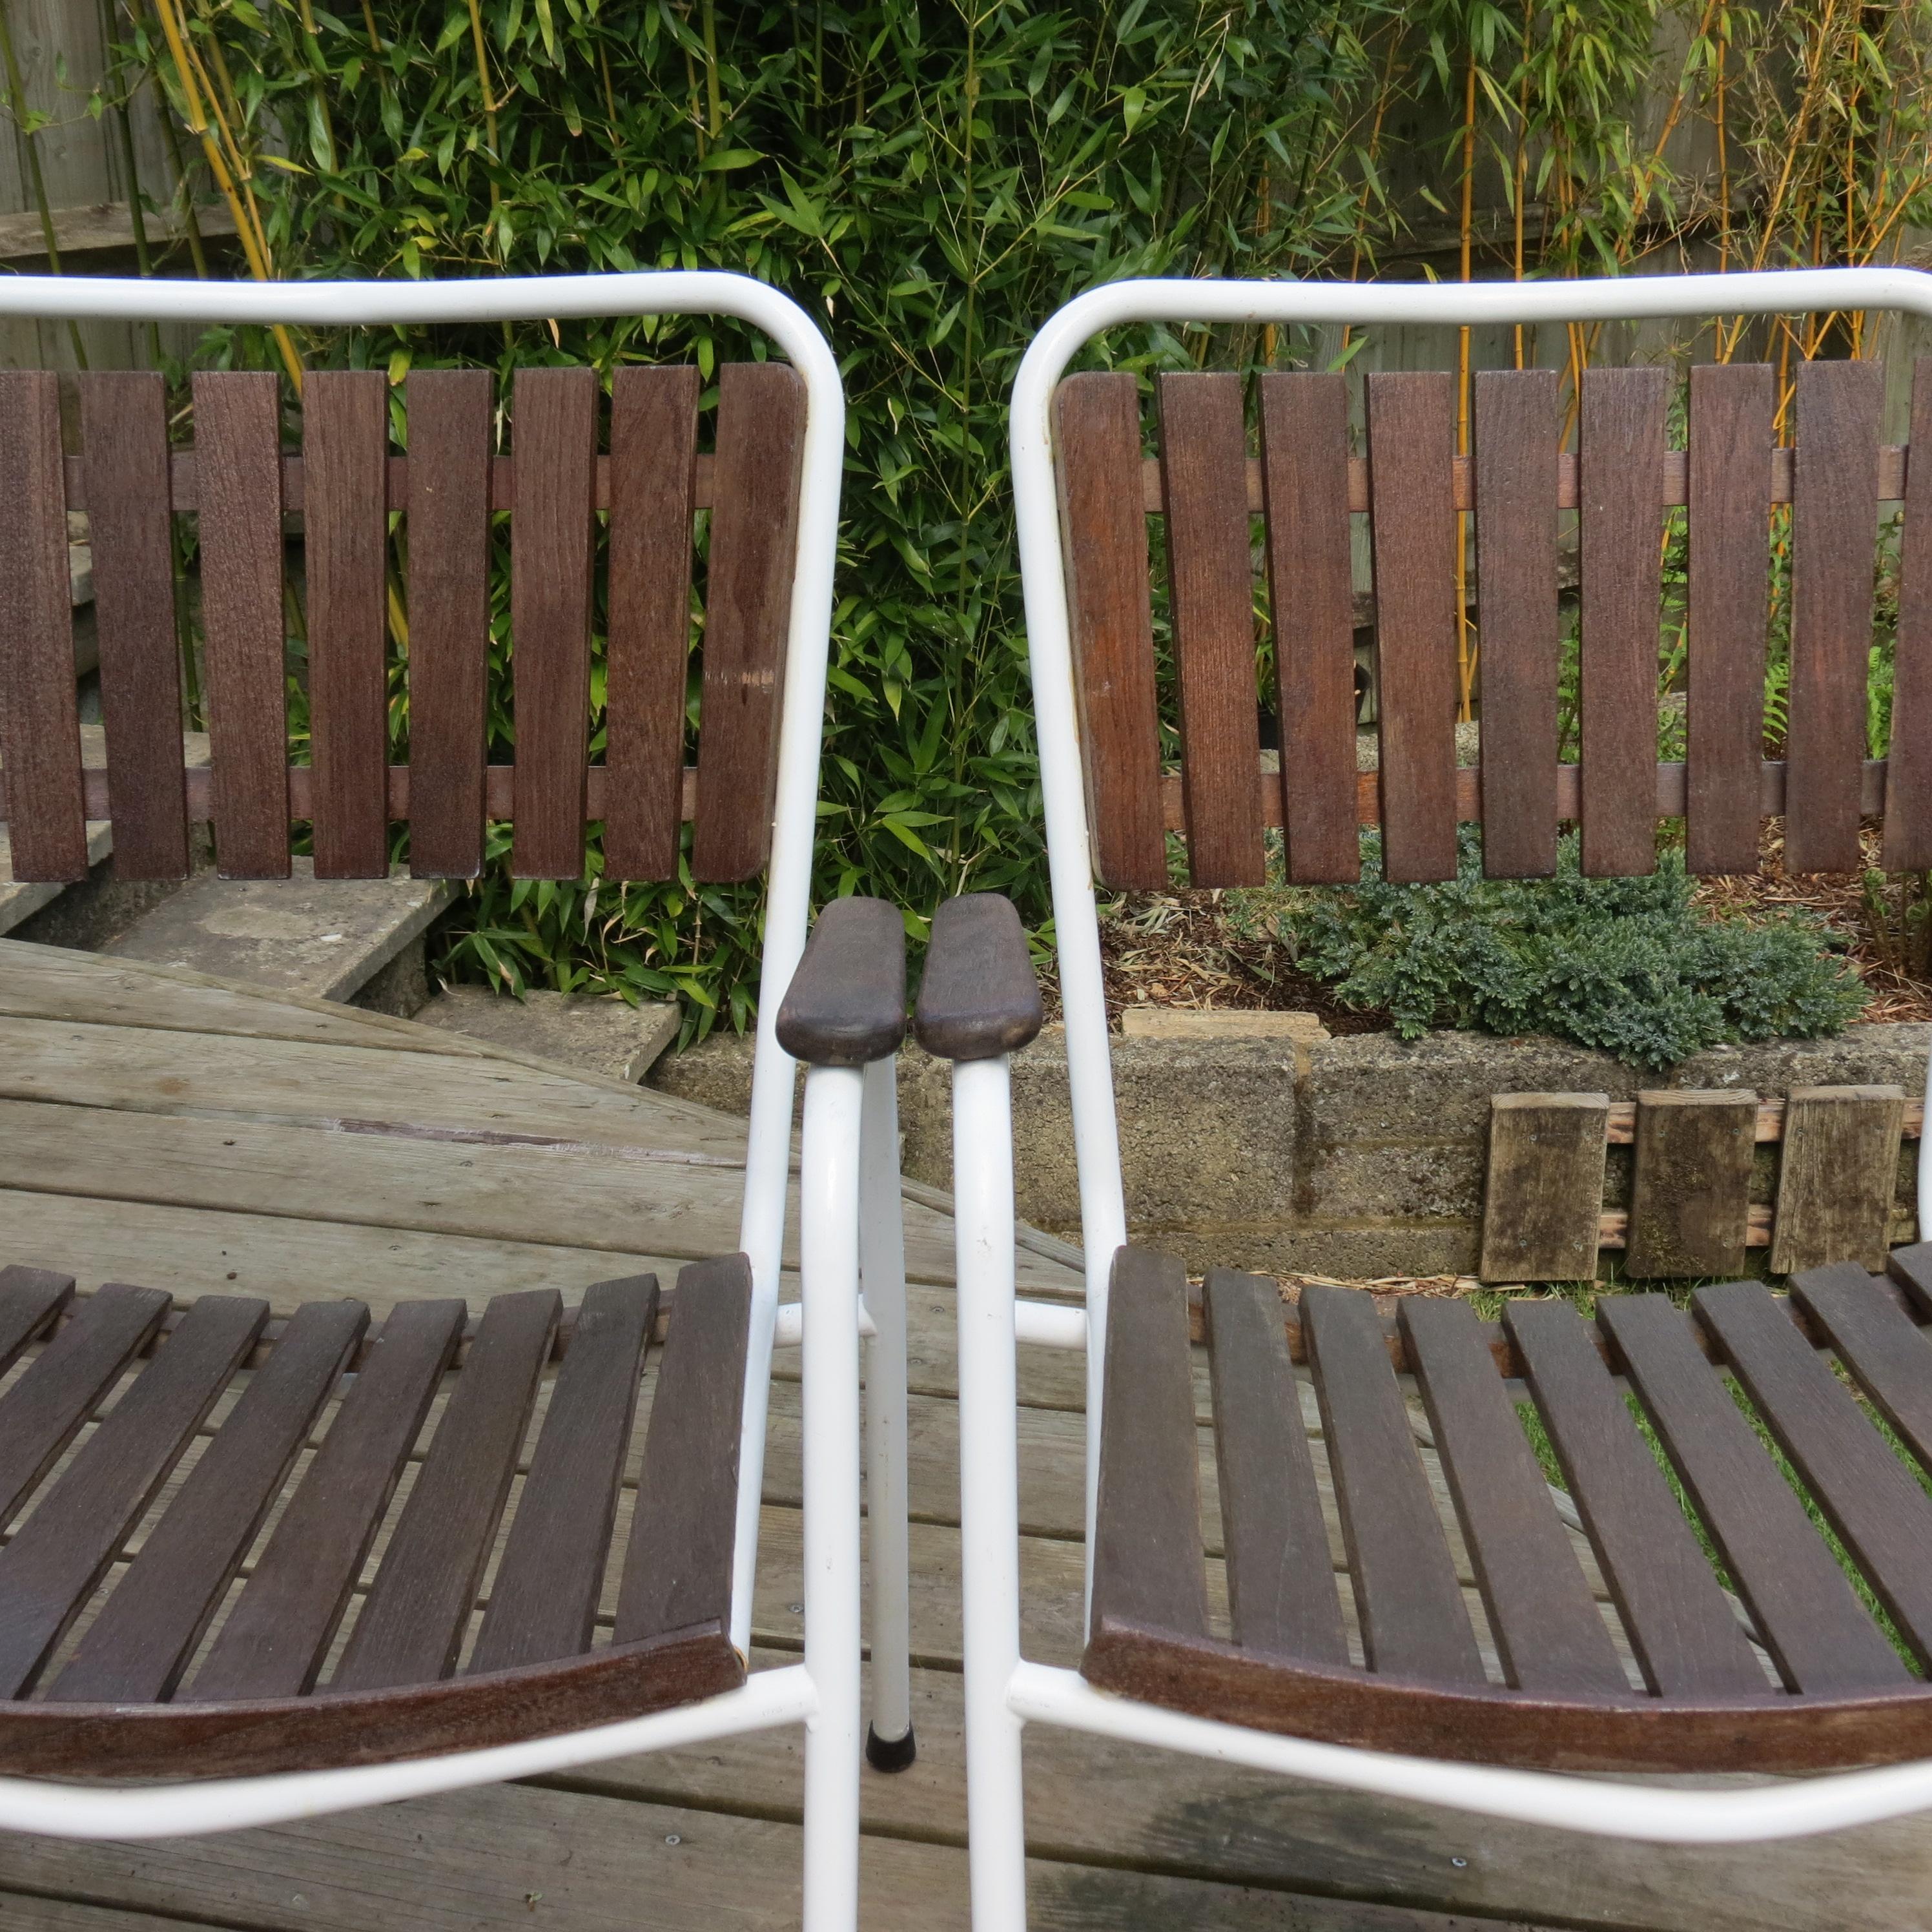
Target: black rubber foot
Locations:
point(889, 1753)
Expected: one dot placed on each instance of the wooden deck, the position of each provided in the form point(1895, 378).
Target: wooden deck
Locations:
point(164, 1128)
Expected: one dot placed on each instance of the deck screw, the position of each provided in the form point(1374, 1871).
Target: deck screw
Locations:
point(672, 1838)
point(796, 1609)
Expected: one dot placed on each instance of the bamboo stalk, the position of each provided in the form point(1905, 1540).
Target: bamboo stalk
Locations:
point(16, 106)
point(1465, 655)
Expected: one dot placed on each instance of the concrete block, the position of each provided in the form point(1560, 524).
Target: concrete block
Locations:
point(604, 1036)
point(1179, 1023)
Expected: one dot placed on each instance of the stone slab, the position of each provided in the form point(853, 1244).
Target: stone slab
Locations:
point(605, 1036)
point(1217, 1023)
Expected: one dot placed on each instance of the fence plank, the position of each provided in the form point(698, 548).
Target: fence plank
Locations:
point(1304, 420)
point(1908, 775)
point(1730, 430)
point(1836, 1177)
point(1546, 1186)
point(1690, 1200)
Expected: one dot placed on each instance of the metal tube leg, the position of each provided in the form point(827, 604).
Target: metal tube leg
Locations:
point(828, 1231)
point(989, 1491)
point(889, 1744)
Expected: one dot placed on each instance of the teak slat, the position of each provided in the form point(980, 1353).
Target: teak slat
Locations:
point(1545, 1190)
point(1690, 1195)
point(1620, 443)
point(1414, 1623)
point(412, 1622)
point(653, 470)
point(124, 442)
point(30, 1298)
point(543, 1599)
point(1818, 1635)
point(677, 1571)
point(747, 614)
point(1548, 1631)
point(1412, 442)
point(275, 1638)
point(1730, 431)
point(1281, 1585)
point(40, 1413)
point(137, 1647)
point(345, 444)
point(40, 731)
point(1148, 1571)
point(1833, 525)
point(1519, 431)
point(50, 1569)
point(1304, 422)
point(1210, 585)
point(553, 421)
point(1687, 1643)
point(448, 530)
point(1908, 772)
point(1096, 430)
point(1837, 1174)
point(1869, 1497)
point(238, 438)
point(1888, 1352)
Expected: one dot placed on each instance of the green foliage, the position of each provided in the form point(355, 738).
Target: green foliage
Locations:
point(1626, 965)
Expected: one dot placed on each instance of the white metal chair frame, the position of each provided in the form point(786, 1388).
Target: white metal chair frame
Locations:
point(1004, 1691)
point(850, 1169)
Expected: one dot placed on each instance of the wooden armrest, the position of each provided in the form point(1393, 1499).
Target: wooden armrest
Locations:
point(980, 998)
point(846, 1004)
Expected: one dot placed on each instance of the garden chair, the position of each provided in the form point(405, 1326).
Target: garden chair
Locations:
point(1408, 1705)
point(177, 1675)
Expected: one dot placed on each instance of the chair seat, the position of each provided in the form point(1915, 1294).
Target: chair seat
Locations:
point(193, 1502)
point(1466, 1624)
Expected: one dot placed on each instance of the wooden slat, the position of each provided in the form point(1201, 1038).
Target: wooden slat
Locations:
point(136, 1649)
point(1519, 431)
point(1413, 1621)
point(1281, 1585)
point(1211, 585)
point(1887, 1350)
point(40, 734)
point(1869, 1497)
point(345, 444)
point(653, 466)
point(1545, 1189)
point(1690, 1195)
point(1908, 791)
point(1804, 1609)
point(747, 615)
point(448, 528)
point(1147, 1566)
point(553, 421)
point(1412, 439)
point(1730, 430)
point(50, 1569)
point(274, 1640)
point(543, 1599)
point(40, 1413)
point(237, 435)
point(1097, 448)
point(30, 1298)
point(1687, 1643)
point(124, 440)
point(677, 1569)
point(412, 1623)
point(1549, 1633)
point(1836, 1175)
point(1620, 446)
point(1833, 527)
point(1304, 423)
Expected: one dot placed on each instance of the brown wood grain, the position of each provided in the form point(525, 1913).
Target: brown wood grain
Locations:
point(1908, 791)
point(39, 732)
point(1730, 429)
point(1858, 1316)
point(1411, 441)
point(553, 421)
point(1519, 431)
point(1304, 424)
point(747, 615)
point(1210, 588)
point(1691, 1194)
point(238, 441)
point(447, 531)
point(653, 469)
point(1833, 527)
point(1096, 429)
point(124, 450)
point(345, 444)
point(1545, 1189)
point(1837, 1174)
point(32, 1300)
point(1621, 447)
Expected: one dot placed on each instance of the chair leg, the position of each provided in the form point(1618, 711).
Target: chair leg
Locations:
point(983, 1173)
point(829, 1229)
point(889, 1744)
